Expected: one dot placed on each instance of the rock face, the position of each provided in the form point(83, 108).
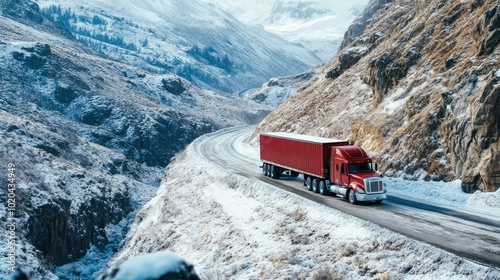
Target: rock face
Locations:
point(417, 86)
point(66, 192)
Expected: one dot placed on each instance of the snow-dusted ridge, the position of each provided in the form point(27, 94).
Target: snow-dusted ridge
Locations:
point(192, 39)
point(233, 227)
point(89, 138)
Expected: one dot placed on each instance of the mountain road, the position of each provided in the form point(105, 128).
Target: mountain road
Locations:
point(474, 236)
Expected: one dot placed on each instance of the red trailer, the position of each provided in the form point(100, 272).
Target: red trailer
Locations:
point(328, 165)
point(300, 153)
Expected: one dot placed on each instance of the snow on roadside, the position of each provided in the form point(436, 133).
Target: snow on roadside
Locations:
point(447, 194)
point(229, 226)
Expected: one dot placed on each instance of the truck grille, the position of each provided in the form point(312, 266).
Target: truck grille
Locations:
point(375, 187)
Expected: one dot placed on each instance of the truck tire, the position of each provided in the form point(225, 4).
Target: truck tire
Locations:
point(268, 170)
point(275, 172)
point(322, 188)
point(264, 168)
point(315, 185)
point(309, 183)
point(352, 197)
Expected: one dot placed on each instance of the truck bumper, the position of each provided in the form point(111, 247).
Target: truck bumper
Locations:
point(371, 197)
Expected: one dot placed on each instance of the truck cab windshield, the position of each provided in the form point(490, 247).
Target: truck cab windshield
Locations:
point(360, 167)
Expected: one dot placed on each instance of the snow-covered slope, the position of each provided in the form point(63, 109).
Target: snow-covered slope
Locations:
point(232, 227)
point(192, 39)
point(319, 25)
point(89, 138)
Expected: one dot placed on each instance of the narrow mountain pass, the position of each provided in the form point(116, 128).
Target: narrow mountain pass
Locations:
point(474, 236)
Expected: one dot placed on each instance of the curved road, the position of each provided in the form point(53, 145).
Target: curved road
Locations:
point(470, 235)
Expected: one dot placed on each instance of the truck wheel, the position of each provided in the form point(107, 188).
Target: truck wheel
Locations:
point(275, 172)
point(352, 197)
point(268, 170)
point(309, 184)
point(315, 185)
point(264, 169)
point(322, 188)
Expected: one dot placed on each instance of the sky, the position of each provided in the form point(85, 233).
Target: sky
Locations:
point(252, 11)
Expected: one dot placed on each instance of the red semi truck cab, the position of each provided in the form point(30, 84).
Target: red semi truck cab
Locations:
point(328, 165)
point(353, 175)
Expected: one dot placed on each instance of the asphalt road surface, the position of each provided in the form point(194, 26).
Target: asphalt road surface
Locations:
point(470, 235)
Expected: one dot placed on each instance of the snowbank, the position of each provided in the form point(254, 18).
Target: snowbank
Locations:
point(448, 194)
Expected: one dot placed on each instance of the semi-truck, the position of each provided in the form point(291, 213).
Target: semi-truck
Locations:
point(328, 166)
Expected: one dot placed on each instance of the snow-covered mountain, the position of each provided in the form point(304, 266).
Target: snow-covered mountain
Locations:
point(192, 39)
point(417, 83)
point(319, 25)
point(278, 89)
point(89, 139)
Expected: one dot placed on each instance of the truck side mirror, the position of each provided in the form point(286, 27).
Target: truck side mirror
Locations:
point(376, 166)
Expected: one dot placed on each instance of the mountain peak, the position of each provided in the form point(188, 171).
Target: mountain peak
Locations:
point(194, 40)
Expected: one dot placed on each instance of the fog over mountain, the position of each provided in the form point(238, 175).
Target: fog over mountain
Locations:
point(318, 25)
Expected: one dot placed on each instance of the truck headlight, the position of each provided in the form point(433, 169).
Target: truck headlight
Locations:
point(360, 190)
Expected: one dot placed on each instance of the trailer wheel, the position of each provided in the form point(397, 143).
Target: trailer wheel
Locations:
point(315, 185)
point(352, 197)
point(268, 170)
point(322, 188)
point(275, 172)
point(264, 169)
point(309, 183)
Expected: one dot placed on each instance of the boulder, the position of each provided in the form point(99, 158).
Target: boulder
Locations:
point(157, 266)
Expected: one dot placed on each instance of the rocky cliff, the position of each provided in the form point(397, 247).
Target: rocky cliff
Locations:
point(417, 84)
point(88, 137)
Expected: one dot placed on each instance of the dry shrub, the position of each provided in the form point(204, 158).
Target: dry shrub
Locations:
point(279, 227)
point(298, 215)
point(326, 273)
point(347, 250)
point(299, 238)
point(393, 245)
